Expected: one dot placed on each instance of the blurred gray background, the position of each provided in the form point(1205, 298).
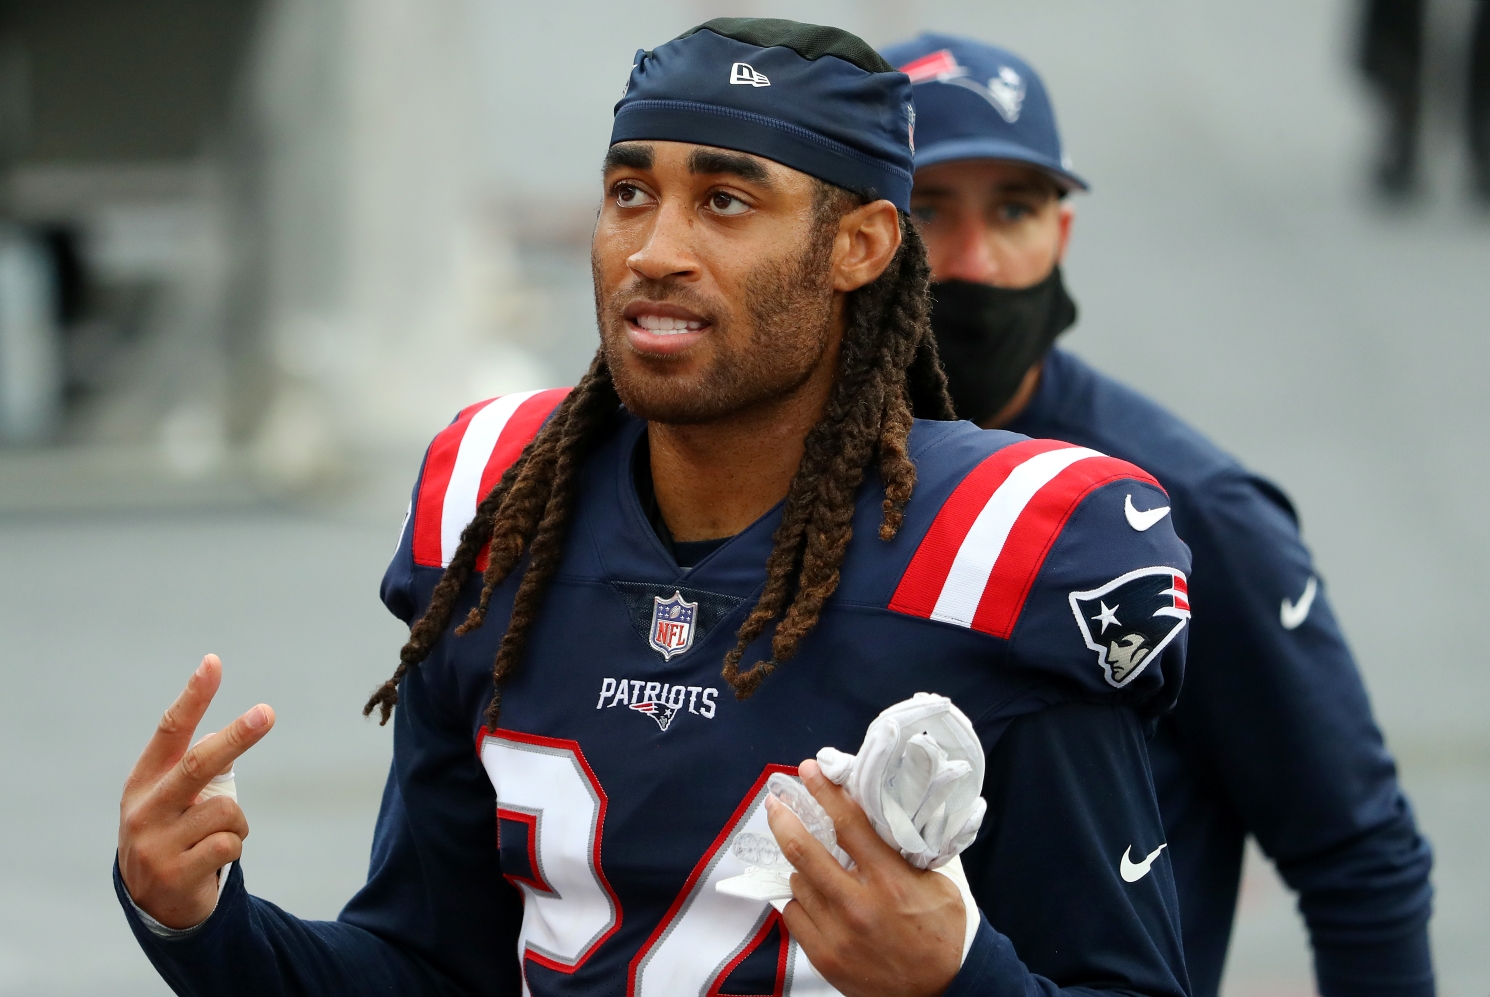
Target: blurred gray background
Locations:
point(260, 250)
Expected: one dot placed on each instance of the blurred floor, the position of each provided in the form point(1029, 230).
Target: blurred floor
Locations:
point(1228, 262)
point(104, 620)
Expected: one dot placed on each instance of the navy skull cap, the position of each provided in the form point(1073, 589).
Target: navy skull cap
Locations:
point(814, 98)
point(976, 101)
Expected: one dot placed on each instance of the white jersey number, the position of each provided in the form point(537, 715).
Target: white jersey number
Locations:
point(569, 909)
point(706, 934)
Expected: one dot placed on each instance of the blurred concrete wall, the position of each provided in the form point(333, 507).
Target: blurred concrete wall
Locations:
point(107, 109)
point(388, 278)
point(285, 223)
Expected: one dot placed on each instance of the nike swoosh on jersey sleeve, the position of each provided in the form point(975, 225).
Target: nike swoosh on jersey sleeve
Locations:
point(976, 564)
point(466, 460)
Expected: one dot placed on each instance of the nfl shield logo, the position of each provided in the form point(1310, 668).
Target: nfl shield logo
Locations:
point(672, 625)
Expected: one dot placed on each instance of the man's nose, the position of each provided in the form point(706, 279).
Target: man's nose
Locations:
point(971, 259)
point(668, 250)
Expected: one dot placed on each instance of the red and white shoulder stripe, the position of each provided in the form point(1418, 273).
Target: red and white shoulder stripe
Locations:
point(977, 563)
point(465, 460)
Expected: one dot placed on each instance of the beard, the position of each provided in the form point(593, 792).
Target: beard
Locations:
point(787, 318)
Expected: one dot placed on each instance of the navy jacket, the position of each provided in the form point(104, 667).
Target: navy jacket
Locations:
point(575, 848)
point(1273, 735)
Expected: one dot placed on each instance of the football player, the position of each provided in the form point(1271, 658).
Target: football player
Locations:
point(729, 546)
point(1273, 735)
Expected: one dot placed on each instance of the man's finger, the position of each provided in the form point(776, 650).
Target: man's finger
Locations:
point(202, 740)
point(803, 929)
point(811, 899)
point(212, 853)
point(207, 818)
point(173, 733)
point(821, 937)
point(806, 853)
point(180, 787)
point(215, 816)
point(855, 834)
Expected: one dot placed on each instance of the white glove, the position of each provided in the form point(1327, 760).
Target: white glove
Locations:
point(918, 776)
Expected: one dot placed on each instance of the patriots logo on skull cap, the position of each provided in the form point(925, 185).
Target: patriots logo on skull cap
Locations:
point(1131, 619)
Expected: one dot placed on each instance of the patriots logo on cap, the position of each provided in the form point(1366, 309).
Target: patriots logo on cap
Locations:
point(940, 66)
point(1131, 619)
point(1005, 91)
point(744, 74)
point(672, 625)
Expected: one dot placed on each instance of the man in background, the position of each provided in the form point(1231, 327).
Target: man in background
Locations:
point(1391, 59)
point(1273, 734)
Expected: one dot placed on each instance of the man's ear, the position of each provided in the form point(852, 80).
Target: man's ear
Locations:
point(867, 240)
point(1065, 220)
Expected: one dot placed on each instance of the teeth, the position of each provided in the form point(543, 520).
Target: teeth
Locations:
point(666, 323)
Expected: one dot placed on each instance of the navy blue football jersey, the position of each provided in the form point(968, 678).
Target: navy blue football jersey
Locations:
point(575, 848)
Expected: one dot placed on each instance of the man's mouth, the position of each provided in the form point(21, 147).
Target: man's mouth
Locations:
point(665, 324)
point(660, 328)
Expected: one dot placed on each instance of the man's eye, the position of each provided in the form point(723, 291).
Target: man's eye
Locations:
point(924, 215)
point(727, 204)
point(1014, 212)
point(629, 195)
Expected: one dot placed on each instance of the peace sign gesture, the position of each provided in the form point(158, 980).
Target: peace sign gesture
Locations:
point(172, 842)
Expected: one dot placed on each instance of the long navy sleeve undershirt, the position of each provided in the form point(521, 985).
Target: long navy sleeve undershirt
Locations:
point(1069, 795)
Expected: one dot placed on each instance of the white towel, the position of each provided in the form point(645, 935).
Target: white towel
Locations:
point(917, 776)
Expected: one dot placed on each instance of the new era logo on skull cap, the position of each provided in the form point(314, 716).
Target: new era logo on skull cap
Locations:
point(744, 74)
point(811, 97)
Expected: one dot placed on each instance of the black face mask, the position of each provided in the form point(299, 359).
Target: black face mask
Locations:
point(989, 338)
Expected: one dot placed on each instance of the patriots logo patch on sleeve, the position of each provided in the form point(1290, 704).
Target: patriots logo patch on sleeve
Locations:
point(1131, 619)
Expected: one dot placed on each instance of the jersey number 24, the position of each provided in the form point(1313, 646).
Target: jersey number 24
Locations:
point(570, 910)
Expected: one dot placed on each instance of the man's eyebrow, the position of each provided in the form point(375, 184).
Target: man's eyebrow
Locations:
point(747, 168)
point(628, 155)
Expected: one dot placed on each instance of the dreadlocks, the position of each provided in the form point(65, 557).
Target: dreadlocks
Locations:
point(888, 371)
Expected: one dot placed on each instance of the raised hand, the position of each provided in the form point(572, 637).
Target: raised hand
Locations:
point(882, 928)
point(170, 844)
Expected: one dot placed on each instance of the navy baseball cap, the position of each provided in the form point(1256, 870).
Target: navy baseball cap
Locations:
point(814, 98)
point(975, 101)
